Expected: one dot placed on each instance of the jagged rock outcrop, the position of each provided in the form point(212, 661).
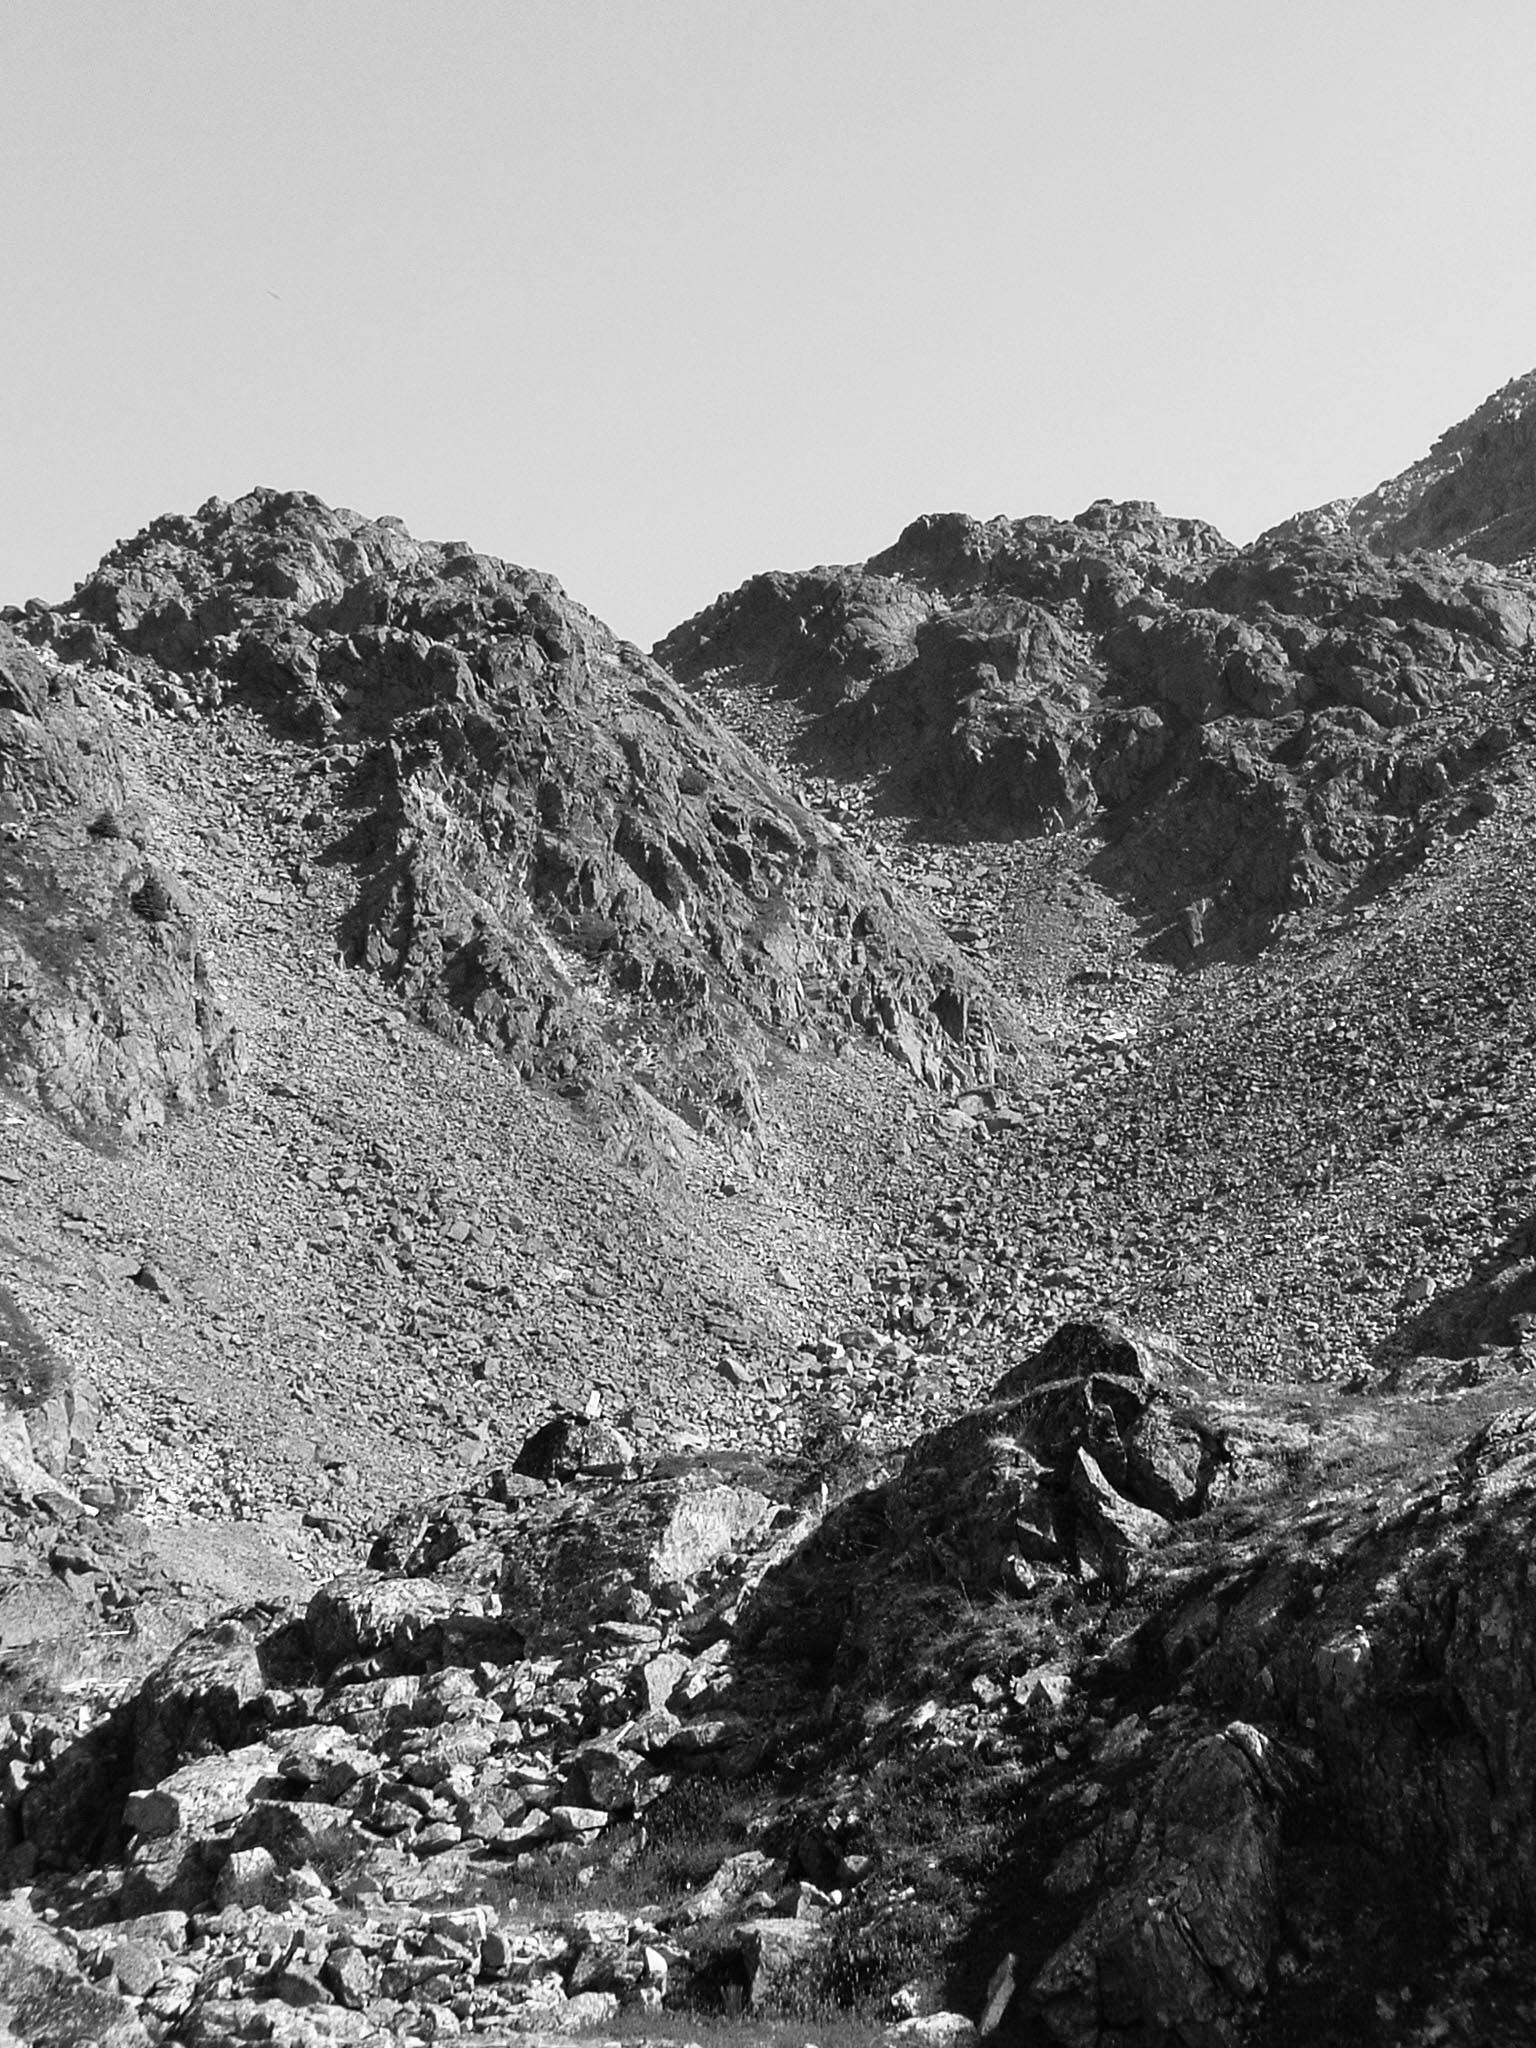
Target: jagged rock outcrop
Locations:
point(1182, 1946)
point(1474, 493)
point(556, 849)
point(319, 1811)
point(109, 1013)
point(1250, 730)
point(1083, 1457)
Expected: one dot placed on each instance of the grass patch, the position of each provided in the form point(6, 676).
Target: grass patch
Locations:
point(652, 1864)
point(833, 2030)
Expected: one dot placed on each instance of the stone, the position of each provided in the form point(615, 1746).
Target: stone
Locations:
point(1113, 1525)
point(584, 1553)
point(201, 1797)
point(249, 1878)
point(1000, 1991)
point(578, 1822)
point(774, 1952)
point(39, 1978)
point(659, 1678)
point(737, 1879)
point(407, 1625)
point(569, 1445)
point(203, 1696)
point(942, 2029)
point(585, 2009)
point(610, 1774)
point(137, 1965)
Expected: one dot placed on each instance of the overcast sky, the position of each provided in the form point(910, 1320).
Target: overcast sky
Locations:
point(653, 294)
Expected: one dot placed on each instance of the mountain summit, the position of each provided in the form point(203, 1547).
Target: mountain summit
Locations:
point(1474, 493)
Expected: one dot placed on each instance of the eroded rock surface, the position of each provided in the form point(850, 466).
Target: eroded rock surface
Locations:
point(109, 1013)
point(1474, 493)
point(548, 835)
point(1250, 730)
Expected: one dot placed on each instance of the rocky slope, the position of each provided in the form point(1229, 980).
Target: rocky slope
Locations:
point(1092, 1690)
point(553, 848)
point(421, 1014)
point(1474, 493)
point(1248, 731)
point(109, 1015)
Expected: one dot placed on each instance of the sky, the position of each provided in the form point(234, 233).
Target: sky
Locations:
point(655, 294)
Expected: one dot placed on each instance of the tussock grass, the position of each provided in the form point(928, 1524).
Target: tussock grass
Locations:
point(652, 1864)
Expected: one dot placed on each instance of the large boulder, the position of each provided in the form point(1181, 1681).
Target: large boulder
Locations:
point(208, 1695)
point(407, 1625)
point(550, 1562)
point(1082, 1456)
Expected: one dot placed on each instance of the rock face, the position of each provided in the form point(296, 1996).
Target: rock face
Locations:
point(109, 1013)
point(1083, 1458)
point(1183, 1945)
point(1250, 730)
point(1474, 493)
point(556, 850)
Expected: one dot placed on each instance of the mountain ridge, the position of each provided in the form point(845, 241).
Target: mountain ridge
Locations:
point(1471, 494)
point(581, 1432)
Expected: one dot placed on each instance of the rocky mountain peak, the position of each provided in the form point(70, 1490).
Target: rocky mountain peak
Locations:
point(1250, 730)
point(1474, 493)
point(541, 823)
point(648, 1431)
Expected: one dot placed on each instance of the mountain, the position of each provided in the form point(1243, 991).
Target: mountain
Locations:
point(553, 848)
point(835, 1322)
point(1474, 493)
point(1247, 731)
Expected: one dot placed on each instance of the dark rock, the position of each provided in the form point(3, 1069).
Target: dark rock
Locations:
point(208, 1694)
point(1474, 492)
point(1251, 730)
point(568, 1445)
point(1181, 1950)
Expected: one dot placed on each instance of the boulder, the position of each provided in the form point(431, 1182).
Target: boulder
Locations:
point(775, 1952)
point(205, 1695)
point(1086, 1449)
point(569, 1445)
point(577, 1558)
point(407, 1625)
point(45, 2002)
point(200, 1798)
